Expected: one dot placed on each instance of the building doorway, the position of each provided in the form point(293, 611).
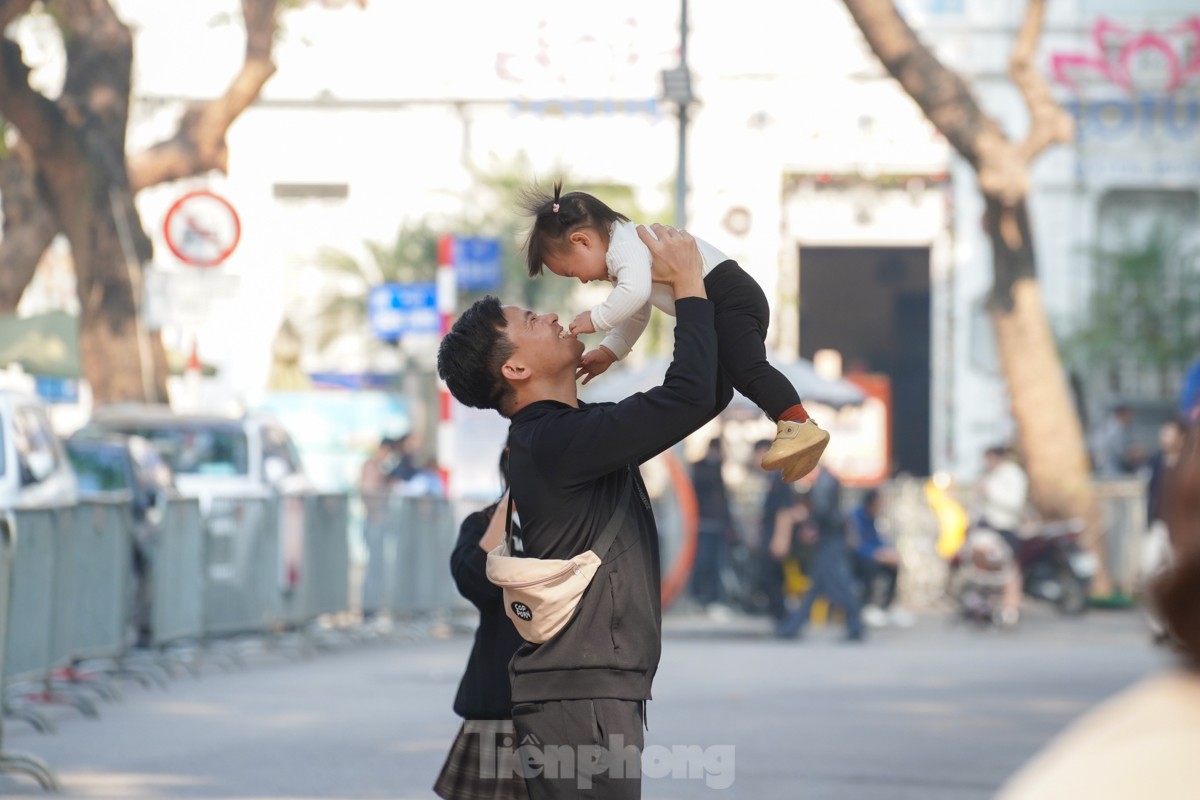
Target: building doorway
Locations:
point(872, 304)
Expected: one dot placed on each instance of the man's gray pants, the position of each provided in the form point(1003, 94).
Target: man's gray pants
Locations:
point(581, 748)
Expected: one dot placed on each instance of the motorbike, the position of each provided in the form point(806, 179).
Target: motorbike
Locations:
point(1053, 564)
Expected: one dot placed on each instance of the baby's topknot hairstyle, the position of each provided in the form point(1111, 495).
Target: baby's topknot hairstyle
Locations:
point(557, 216)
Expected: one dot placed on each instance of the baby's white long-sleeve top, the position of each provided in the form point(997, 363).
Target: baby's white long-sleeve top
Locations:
point(626, 311)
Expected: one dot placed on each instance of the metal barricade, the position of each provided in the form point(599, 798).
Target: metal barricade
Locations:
point(418, 540)
point(315, 556)
point(97, 562)
point(1123, 504)
point(14, 762)
point(376, 522)
point(177, 584)
point(241, 558)
point(31, 608)
point(64, 590)
point(327, 534)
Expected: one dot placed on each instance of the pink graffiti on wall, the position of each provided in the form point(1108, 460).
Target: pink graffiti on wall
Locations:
point(1116, 47)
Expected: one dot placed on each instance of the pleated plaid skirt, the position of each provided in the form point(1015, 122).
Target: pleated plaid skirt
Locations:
point(473, 773)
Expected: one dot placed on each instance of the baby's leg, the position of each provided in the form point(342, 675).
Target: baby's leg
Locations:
point(741, 318)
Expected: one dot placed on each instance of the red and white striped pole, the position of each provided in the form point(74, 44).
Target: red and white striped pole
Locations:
point(447, 299)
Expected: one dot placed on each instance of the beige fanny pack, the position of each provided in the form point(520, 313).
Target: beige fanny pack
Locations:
point(541, 594)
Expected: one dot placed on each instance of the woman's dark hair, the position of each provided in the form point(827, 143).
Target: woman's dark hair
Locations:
point(471, 355)
point(557, 216)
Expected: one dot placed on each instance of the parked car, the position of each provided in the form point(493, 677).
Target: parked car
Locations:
point(213, 455)
point(34, 469)
point(109, 462)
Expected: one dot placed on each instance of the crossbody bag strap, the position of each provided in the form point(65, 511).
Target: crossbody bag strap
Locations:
point(609, 534)
point(508, 524)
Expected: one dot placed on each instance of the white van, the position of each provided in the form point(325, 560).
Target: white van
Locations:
point(34, 469)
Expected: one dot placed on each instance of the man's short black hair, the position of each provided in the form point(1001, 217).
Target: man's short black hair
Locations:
point(472, 353)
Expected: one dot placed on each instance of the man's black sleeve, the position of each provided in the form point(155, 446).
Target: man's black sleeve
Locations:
point(602, 439)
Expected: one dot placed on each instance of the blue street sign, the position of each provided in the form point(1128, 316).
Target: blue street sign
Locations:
point(477, 265)
point(401, 309)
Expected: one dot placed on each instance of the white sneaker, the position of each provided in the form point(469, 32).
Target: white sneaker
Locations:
point(902, 618)
point(874, 616)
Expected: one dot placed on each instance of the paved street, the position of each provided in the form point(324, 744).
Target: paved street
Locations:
point(932, 712)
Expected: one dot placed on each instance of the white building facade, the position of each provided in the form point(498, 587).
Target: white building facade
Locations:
point(807, 163)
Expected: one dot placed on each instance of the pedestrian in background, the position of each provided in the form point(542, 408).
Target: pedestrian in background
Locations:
point(1003, 492)
point(778, 498)
point(822, 522)
point(876, 565)
point(484, 699)
point(716, 529)
point(1156, 549)
point(375, 486)
point(1114, 452)
point(400, 463)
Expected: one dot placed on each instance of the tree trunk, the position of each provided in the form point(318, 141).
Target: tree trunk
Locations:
point(29, 227)
point(107, 240)
point(1048, 431)
point(77, 180)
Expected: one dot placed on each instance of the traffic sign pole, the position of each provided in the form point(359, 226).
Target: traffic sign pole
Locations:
point(446, 300)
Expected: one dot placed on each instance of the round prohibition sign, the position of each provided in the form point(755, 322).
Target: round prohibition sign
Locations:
point(202, 229)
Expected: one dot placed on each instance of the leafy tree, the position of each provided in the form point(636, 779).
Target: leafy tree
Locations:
point(1144, 311)
point(68, 173)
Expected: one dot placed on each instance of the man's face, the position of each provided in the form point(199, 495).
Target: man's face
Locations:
point(539, 342)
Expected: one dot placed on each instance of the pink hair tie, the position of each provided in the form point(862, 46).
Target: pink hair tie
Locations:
point(554, 208)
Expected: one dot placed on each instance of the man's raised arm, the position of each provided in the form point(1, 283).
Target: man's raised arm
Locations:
point(649, 422)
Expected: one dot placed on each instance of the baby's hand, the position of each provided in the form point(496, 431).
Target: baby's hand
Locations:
point(583, 324)
point(594, 362)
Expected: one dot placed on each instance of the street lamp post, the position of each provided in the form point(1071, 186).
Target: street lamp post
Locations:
point(677, 88)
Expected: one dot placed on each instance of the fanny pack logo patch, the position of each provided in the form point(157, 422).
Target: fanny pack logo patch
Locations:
point(522, 611)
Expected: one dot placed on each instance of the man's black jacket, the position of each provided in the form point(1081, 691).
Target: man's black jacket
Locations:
point(567, 467)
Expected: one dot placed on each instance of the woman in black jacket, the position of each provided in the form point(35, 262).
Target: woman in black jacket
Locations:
point(481, 763)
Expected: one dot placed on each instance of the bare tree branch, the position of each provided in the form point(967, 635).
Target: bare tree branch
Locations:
point(199, 144)
point(39, 120)
point(945, 98)
point(1049, 123)
point(11, 9)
